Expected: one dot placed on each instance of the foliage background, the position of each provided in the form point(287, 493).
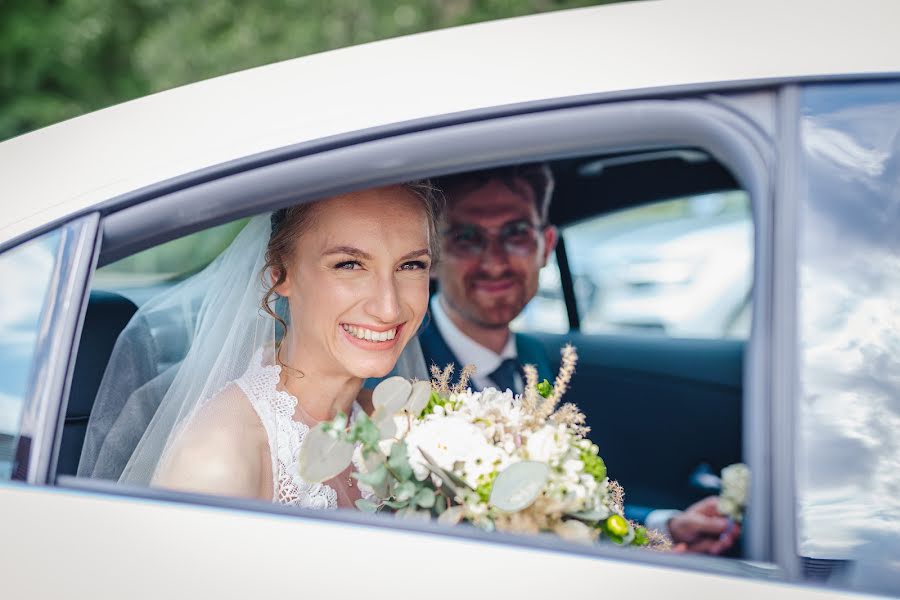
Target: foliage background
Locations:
point(63, 58)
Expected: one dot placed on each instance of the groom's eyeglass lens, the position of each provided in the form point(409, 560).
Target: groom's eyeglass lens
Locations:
point(517, 238)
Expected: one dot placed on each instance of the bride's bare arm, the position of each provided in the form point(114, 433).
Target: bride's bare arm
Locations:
point(222, 451)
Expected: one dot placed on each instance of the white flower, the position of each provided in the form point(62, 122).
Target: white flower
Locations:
point(546, 444)
point(449, 441)
point(735, 490)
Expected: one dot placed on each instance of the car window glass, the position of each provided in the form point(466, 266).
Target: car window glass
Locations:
point(679, 268)
point(849, 302)
point(143, 275)
point(25, 271)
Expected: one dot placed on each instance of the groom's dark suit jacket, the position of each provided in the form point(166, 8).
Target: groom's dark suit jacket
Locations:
point(529, 351)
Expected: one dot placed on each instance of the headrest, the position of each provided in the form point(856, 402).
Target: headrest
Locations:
point(107, 315)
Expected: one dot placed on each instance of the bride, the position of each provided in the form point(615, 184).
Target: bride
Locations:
point(279, 333)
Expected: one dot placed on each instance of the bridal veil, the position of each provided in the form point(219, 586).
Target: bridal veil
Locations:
point(180, 350)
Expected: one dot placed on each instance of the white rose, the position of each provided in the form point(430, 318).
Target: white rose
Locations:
point(447, 441)
point(545, 444)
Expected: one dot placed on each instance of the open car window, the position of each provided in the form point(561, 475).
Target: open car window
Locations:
point(676, 389)
point(679, 268)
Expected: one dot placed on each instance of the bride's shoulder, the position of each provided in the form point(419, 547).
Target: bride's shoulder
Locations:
point(222, 448)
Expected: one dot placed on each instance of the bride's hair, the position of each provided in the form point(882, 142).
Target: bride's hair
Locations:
point(290, 223)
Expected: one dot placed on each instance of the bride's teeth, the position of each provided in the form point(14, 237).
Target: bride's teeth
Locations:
point(372, 336)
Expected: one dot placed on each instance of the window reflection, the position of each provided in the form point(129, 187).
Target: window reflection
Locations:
point(25, 271)
point(849, 309)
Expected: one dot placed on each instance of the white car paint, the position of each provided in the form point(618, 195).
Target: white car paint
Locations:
point(214, 553)
point(55, 544)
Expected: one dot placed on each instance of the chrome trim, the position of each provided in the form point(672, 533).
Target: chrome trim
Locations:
point(56, 334)
point(784, 358)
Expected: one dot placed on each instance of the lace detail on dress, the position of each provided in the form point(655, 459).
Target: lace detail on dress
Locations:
point(276, 410)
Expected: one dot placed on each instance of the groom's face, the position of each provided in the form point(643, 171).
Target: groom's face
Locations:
point(357, 283)
point(493, 248)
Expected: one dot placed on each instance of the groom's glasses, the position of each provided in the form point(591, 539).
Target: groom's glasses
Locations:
point(517, 238)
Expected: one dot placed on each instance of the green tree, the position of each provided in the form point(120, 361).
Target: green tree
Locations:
point(62, 58)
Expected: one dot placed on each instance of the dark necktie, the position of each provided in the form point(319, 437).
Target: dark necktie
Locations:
point(505, 375)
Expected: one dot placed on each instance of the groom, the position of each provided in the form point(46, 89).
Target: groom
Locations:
point(496, 241)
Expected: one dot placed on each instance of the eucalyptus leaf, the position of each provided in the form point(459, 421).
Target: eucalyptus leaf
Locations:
point(371, 463)
point(418, 398)
point(405, 491)
point(629, 537)
point(440, 504)
point(519, 485)
point(322, 456)
point(391, 395)
point(366, 506)
point(445, 479)
point(398, 461)
point(387, 428)
point(451, 516)
point(448, 475)
point(375, 477)
point(425, 498)
point(597, 514)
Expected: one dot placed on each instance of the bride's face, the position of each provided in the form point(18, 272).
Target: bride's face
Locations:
point(357, 283)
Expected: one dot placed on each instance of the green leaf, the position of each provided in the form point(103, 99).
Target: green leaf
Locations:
point(405, 491)
point(440, 504)
point(322, 456)
point(640, 536)
point(375, 477)
point(365, 432)
point(387, 428)
point(519, 485)
point(396, 504)
point(418, 398)
point(366, 506)
point(545, 389)
point(447, 476)
point(425, 497)
point(399, 461)
point(391, 395)
point(597, 514)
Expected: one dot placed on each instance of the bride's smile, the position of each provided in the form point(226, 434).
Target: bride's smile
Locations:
point(374, 338)
point(356, 281)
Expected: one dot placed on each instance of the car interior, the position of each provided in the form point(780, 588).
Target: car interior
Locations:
point(664, 410)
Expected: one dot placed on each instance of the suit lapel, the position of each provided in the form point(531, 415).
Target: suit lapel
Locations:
point(435, 349)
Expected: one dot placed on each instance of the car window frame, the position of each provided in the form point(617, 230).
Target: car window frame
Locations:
point(58, 332)
point(732, 138)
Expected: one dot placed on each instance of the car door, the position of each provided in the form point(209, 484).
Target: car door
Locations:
point(205, 533)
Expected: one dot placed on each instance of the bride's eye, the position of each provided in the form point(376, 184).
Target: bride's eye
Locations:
point(348, 265)
point(414, 265)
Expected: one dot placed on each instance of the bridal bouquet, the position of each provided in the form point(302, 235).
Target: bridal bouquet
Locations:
point(498, 461)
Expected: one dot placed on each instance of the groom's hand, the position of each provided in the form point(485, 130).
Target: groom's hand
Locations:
point(701, 528)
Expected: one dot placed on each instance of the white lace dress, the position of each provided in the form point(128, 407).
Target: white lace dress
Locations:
point(276, 411)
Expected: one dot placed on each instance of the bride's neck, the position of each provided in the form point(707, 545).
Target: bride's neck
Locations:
point(320, 395)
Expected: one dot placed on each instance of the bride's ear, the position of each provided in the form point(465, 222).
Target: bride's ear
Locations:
point(282, 288)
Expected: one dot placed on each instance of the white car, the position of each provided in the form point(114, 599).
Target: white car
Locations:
point(798, 104)
point(685, 277)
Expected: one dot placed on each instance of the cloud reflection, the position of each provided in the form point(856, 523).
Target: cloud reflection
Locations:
point(849, 310)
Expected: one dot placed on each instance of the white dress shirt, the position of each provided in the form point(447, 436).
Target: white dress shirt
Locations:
point(470, 352)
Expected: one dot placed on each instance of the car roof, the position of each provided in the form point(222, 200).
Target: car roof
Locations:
point(70, 166)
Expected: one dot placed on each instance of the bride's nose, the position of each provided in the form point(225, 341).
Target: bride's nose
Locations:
point(384, 302)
